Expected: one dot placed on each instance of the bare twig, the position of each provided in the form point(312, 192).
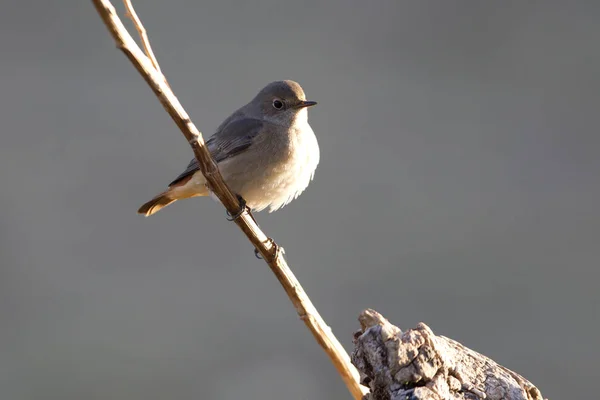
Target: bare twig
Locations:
point(142, 32)
point(267, 248)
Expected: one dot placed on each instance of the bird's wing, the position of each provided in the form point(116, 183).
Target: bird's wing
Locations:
point(232, 139)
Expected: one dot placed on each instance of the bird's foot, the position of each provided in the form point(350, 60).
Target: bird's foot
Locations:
point(243, 208)
point(278, 249)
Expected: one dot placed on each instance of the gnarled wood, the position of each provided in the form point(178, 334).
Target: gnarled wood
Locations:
point(418, 365)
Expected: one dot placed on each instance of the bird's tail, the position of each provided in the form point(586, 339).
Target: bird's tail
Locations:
point(156, 204)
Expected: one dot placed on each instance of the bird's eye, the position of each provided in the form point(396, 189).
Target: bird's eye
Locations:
point(278, 104)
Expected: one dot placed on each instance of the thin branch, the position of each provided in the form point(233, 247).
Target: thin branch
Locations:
point(142, 32)
point(266, 248)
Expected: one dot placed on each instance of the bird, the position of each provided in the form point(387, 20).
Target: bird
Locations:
point(266, 152)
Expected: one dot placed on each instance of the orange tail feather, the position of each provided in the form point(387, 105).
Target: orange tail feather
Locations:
point(156, 204)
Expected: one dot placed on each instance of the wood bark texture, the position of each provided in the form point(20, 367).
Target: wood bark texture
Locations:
point(418, 365)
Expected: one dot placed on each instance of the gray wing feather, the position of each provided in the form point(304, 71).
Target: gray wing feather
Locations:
point(233, 138)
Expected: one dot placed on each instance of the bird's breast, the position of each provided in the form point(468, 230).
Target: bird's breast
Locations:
point(275, 170)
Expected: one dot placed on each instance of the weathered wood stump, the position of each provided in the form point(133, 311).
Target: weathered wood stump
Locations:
point(418, 365)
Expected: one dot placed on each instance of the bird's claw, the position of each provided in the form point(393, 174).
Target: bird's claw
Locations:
point(278, 250)
point(243, 208)
point(240, 211)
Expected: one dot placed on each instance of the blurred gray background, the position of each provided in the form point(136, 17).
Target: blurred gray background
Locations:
point(458, 186)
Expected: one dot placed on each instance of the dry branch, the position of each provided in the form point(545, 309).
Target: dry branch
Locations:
point(418, 365)
point(142, 33)
point(267, 248)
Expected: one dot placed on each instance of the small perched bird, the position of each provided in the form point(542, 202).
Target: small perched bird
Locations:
point(266, 152)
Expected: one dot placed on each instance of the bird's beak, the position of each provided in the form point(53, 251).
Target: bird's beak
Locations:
point(306, 103)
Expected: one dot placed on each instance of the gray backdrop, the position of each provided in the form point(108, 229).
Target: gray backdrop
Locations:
point(458, 186)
